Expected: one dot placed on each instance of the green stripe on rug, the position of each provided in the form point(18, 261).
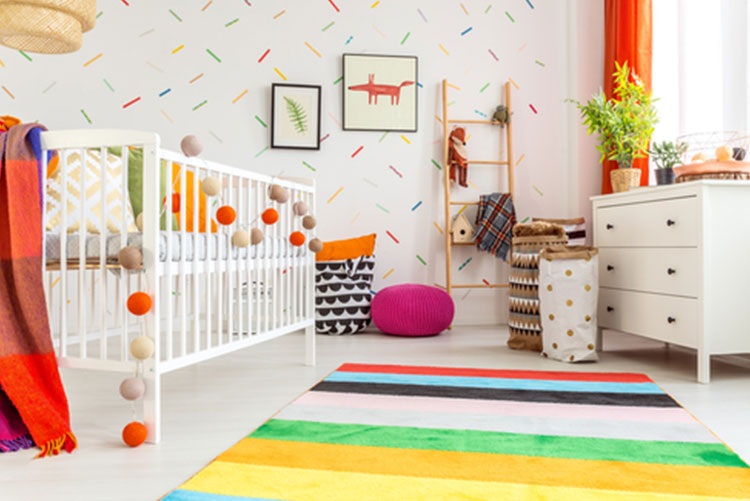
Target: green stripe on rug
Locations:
point(605, 449)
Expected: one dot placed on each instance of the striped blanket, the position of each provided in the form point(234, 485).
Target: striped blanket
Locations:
point(495, 219)
point(383, 432)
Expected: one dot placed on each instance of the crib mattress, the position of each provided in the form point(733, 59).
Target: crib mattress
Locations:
point(207, 245)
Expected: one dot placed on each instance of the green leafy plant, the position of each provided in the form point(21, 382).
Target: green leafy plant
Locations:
point(667, 154)
point(625, 122)
point(297, 115)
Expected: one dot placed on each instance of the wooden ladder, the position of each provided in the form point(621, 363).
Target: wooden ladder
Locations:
point(508, 161)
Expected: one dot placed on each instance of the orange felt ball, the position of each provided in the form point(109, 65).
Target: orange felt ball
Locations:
point(225, 215)
point(139, 303)
point(270, 216)
point(175, 202)
point(134, 434)
point(297, 238)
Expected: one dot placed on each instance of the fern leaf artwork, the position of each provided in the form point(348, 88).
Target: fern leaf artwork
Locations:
point(297, 115)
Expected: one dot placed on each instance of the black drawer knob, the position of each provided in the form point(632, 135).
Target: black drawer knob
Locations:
point(671, 320)
point(610, 267)
point(671, 271)
point(609, 308)
point(609, 226)
point(670, 222)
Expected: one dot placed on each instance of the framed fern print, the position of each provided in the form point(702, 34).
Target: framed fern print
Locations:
point(295, 116)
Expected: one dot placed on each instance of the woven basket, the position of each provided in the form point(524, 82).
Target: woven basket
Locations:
point(523, 320)
point(46, 26)
point(736, 176)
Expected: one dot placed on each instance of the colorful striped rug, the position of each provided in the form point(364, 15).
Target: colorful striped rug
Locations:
point(383, 432)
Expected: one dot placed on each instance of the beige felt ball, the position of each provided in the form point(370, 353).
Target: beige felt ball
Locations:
point(139, 221)
point(723, 153)
point(211, 186)
point(698, 157)
point(315, 245)
point(256, 236)
point(299, 208)
point(142, 347)
point(241, 238)
point(309, 222)
point(191, 146)
point(132, 388)
point(130, 258)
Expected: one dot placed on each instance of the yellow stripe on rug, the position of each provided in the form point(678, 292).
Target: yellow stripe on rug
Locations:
point(610, 475)
point(237, 479)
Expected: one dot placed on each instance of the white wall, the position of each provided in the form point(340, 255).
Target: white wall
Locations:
point(137, 41)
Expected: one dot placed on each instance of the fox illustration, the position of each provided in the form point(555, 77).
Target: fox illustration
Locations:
point(375, 90)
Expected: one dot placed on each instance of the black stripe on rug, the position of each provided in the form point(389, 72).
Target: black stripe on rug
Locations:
point(567, 397)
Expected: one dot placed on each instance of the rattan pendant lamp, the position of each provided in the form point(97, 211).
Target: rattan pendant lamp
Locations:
point(46, 26)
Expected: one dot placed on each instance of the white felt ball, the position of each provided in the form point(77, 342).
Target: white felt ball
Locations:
point(315, 245)
point(139, 221)
point(142, 347)
point(211, 186)
point(723, 153)
point(241, 238)
point(299, 208)
point(132, 388)
point(129, 257)
point(309, 222)
point(256, 236)
point(191, 146)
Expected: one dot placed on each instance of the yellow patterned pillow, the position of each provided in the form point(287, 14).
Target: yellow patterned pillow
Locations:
point(92, 203)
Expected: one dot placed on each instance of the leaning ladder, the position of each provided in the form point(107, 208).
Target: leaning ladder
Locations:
point(508, 161)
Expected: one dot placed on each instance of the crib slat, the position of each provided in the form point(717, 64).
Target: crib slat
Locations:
point(63, 165)
point(124, 274)
point(210, 209)
point(103, 233)
point(259, 196)
point(218, 264)
point(230, 261)
point(181, 289)
point(248, 261)
point(82, 258)
point(166, 208)
point(195, 277)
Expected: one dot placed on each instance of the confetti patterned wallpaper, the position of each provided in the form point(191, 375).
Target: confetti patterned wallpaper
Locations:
point(205, 67)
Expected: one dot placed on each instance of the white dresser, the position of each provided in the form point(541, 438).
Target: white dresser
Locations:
point(674, 265)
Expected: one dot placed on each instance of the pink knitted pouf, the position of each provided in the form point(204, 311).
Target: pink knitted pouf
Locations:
point(412, 310)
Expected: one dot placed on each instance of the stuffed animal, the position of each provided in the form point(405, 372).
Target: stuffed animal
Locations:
point(501, 115)
point(457, 156)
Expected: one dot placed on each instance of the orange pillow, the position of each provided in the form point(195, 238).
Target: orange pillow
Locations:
point(188, 198)
point(351, 248)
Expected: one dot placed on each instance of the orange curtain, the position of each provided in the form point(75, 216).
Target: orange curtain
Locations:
point(627, 37)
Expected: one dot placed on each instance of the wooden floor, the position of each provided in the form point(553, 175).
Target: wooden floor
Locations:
point(210, 406)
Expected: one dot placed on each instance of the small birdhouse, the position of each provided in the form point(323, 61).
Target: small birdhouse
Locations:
point(461, 229)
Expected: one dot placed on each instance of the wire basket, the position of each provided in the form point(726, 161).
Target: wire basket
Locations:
point(706, 143)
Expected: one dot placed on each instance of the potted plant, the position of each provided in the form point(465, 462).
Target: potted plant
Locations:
point(623, 123)
point(666, 155)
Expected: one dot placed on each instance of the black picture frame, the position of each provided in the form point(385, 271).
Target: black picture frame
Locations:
point(345, 87)
point(276, 143)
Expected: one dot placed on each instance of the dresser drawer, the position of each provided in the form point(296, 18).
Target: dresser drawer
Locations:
point(661, 223)
point(664, 318)
point(660, 269)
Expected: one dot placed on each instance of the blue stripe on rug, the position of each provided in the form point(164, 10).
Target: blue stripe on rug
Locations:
point(185, 495)
point(499, 383)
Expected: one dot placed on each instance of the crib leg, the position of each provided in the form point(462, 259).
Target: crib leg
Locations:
point(310, 345)
point(152, 404)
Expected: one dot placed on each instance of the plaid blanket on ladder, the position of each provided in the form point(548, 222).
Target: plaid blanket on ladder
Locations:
point(495, 219)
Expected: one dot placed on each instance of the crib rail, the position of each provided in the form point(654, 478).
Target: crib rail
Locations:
point(209, 297)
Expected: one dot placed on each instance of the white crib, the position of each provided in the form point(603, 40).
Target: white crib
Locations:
point(209, 297)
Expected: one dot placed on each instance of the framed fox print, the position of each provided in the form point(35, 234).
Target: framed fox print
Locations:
point(295, 116)
point(380, 93)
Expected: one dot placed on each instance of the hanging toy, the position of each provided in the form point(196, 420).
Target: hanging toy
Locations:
point(457, 156)
point(132, 388)
point(270, 216)
point(279, 194)
point(142, 347)
point(191, 146)
point(309, 222)
point(297, 238)
point(134, 434)
point(299, 208)
point(256, 236)
point(225, 215)
point(211, 186)
point(139, 303)
point(129, 257)
point(315, 245)
point(240, 238)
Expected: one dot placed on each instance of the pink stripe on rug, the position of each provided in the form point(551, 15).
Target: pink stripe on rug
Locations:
point(500, 407)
